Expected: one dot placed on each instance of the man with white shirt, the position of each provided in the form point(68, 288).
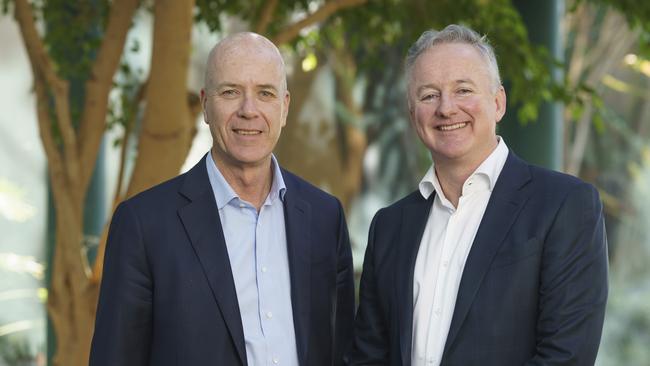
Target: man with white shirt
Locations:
point(237, 261)
point(493, 261)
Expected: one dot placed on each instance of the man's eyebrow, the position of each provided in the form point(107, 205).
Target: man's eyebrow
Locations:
point(426, 86)
point(267, 86)
point(227, 85)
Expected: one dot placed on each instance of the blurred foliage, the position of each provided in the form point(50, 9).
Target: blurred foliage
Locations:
point(637, 12)
point(613, 105)
point(17, 351)
point(14, 205)
point(124, 107)
point(390, 26)
point(74, 30)
point(627, 324)
point(73, 33)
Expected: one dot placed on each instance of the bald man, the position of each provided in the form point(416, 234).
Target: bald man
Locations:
point(237, 261)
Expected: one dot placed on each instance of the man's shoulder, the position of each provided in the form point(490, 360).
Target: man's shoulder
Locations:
point(556, 181)
point(161, 195)
point(410, 199)
point(396, 208)
point(541, 179)
point(550, 189)
point(306, 190)
point(183, 187)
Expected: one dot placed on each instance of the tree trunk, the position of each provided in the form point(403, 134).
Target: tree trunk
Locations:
point(352, 138)
point(325, 151)
point(166, 129)
point(72, 298)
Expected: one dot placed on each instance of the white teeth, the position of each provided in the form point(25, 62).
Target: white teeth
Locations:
point(455, 126)
point(247, 132)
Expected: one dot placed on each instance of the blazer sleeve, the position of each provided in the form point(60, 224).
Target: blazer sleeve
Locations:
point(124, 313)
point(370, 346)
point(573, 283)
point(344, 318)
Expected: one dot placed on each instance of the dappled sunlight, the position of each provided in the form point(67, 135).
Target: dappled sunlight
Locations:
point(22, 264)
point(13, 206)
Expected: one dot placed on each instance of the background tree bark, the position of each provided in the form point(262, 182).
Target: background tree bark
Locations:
point(166, 128)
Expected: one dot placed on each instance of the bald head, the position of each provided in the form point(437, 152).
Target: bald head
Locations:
point(243, 47)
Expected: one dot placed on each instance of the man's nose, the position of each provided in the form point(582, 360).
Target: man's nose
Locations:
point(446, 107)
point(248, 107)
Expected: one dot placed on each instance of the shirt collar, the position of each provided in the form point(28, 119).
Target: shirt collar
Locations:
point(278, 188)
point(223, 192)
point(490, 168)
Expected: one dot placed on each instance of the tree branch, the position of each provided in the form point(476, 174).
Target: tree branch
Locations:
point(600, 58)
point(580, 140)
point(267, 16)
point(45, 77)
point(319, 15)
point(133, 108)
point(98, 86)
point(581, 21)
point(54, 159)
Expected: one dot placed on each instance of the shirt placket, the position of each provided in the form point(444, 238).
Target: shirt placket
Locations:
point(435, 347)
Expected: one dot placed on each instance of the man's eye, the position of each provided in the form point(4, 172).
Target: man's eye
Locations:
point(229, 92)
point(464, 91)
point(267, 94)
point(427, 97)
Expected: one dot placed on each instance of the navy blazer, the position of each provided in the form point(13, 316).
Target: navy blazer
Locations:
point(168, 296)
point(533, 289)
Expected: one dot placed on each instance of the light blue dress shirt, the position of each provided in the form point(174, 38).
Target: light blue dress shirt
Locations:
point(257, 249)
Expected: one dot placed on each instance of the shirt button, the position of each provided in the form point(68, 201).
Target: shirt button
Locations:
point(264, 269)
point(438, 312)
point(269, 315)
point(445, 263)
point(276, 360)
point(241, 205)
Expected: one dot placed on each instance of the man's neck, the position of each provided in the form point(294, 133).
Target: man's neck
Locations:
point(452, 173)
point(451, 178)
point(252, 183)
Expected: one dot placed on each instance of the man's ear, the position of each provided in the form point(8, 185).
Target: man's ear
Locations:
point(411, 109)
point(203, 101)
point(286, 102)
point(500, 101)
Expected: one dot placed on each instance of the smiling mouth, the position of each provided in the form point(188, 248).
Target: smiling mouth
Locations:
point(247, 132)
point(455, 126)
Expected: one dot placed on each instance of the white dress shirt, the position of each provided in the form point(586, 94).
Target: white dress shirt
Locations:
point(446, 242)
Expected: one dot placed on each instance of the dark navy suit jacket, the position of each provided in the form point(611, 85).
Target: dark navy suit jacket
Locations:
point(168, 297)
point(533, 290)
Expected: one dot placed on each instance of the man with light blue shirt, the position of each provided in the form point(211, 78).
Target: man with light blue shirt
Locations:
point(237, 261)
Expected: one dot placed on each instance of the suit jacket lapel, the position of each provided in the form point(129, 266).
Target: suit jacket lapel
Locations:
point(414, 220)
point(201, 221)
point(297, 214)
point(506, 201)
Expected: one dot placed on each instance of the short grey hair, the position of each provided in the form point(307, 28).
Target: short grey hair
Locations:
point(454, 33)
